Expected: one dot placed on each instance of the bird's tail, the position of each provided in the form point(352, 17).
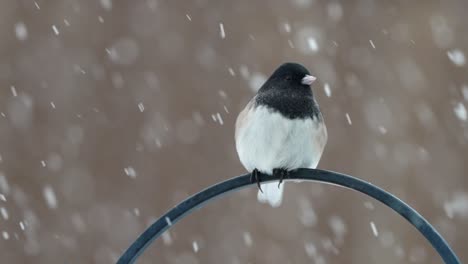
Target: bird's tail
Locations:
point(272, 194)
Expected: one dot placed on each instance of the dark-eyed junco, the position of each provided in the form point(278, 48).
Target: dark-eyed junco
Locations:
point(281, 129)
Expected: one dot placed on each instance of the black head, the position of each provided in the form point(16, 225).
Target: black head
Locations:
point(288, 92)
point(289, 76)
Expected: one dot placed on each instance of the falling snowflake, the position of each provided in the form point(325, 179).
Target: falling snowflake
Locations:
point(348, 118)
point(130, 171)
point(374, 229)
point(457, 57)
point(222, 33)
point(326, 88)
point(247, 239)
point(21, 31)
point(141, 107)
point(106, 4)
point(13, 91)
point(195, 246)
point(312, 43)
point(55, 29)
point(460, 111)
point(49, 196)
point(457, 206)
point(4, 213)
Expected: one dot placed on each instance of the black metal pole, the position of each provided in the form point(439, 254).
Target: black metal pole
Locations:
point(220, 189)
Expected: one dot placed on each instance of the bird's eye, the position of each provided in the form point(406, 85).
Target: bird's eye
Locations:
point(287, 78)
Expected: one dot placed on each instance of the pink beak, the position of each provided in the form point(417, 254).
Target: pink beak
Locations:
point(308, 79)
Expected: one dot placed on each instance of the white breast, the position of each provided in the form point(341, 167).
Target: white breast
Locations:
point(266, 140)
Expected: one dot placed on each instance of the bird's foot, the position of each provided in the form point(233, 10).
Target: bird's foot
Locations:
point(254, 177)
point(281, 174)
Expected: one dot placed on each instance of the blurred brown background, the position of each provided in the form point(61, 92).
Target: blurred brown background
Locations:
point(114, 111)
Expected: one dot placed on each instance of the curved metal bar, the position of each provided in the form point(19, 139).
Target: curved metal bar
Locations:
point(220, 189)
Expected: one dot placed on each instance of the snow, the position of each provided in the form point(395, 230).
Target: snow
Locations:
point(312, 252)
point(21, 31)
point(49, 196)
point(168, 221)
point(460, 111)
point(287, 27)
point(247, 239)
point(54, 162)
point(387, 239)
point(141, 107)
point(124, 51)
point(219, 118)
point(244, 71)
point(136, 211)
point(106, 4)
point(195, 246)
point(312, 43)
point(222, 33)
point(464, 91)
point(457, 206)
point(442, 32)
point(198, 118)
point(382, 130)
point(326, 88)
point(311, 249)
point(457, 57)
point(374, 229)
point(307, 215)
point(307, 40)
point(77, 222)
point(167, 238)
point(130, 171)
point(399, 251)
point(4, 213)
point(231, 71)
point(4, 186)
point(303, 4)
point(13, 91)
point(55, 29)
point(417, 254)
point(164, 79)
point(348, 118)
point(335, 11)
point(338, 227)
point(329, 246)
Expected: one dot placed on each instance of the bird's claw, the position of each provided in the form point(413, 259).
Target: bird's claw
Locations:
point(254, 177)
point(281, 173)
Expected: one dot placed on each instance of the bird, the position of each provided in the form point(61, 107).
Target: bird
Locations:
point(281, 129)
